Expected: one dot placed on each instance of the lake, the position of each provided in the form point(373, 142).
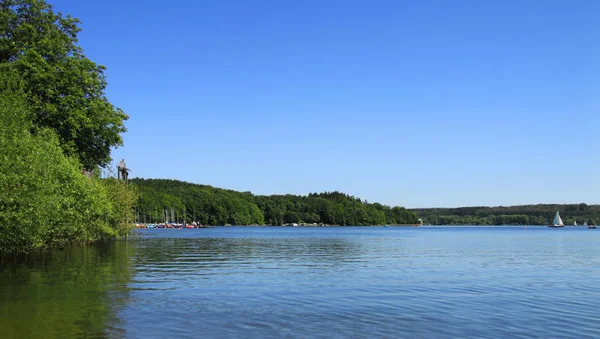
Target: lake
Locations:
point(322, 282)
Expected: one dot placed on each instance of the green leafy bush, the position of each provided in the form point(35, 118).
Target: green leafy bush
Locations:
point(45, 200)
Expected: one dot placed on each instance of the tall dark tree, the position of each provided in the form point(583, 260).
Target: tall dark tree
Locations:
point(65, 89)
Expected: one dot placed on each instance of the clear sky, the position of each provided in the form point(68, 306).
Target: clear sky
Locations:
point(412, 103)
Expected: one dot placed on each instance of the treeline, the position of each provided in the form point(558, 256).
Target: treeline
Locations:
point(214, 206)
point(57, 124)
point(541, 214)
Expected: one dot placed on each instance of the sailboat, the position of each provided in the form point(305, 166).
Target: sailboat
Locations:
point(575, 223)
point(590, 226)
point(557, 222)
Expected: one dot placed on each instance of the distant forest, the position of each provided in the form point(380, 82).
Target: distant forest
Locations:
point(512, 215)
point(215, 206)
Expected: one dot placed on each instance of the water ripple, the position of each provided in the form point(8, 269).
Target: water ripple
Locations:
point(360, 282)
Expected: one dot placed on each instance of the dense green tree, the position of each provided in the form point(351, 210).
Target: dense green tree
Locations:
point(45, 199)
point(64, 89)
point(218, 206)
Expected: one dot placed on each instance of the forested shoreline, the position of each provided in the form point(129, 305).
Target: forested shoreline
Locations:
point(541, 214)
point(209, 205)
point(215, 206)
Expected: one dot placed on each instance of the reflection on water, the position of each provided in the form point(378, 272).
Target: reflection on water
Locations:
point(312, 282)
point(65, 294)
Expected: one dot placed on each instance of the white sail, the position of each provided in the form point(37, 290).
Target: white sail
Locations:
point(585, 223)
point(557, 220)
point(575, 223)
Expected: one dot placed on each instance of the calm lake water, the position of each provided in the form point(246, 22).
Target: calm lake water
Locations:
point(325, 282)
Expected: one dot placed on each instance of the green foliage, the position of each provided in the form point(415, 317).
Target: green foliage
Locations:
point(204, 204)
point(542, 214)
point(65, 90)
point(122, 201)
point(45, 199)
point(214, 206)
point(56, 120)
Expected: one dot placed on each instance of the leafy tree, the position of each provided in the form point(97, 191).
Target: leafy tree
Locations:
point(64, 89)
point(218, 206)
point(45, 199)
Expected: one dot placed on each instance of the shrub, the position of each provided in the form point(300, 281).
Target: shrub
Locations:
point(45, 200)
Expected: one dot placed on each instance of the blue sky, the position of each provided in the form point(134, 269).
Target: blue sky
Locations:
point(411, 103)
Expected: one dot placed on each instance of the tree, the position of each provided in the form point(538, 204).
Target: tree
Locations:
point(45, 200)
point(218, 206)
point(65, 89)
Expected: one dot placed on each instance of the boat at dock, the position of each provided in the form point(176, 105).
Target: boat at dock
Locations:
point(557, 222)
